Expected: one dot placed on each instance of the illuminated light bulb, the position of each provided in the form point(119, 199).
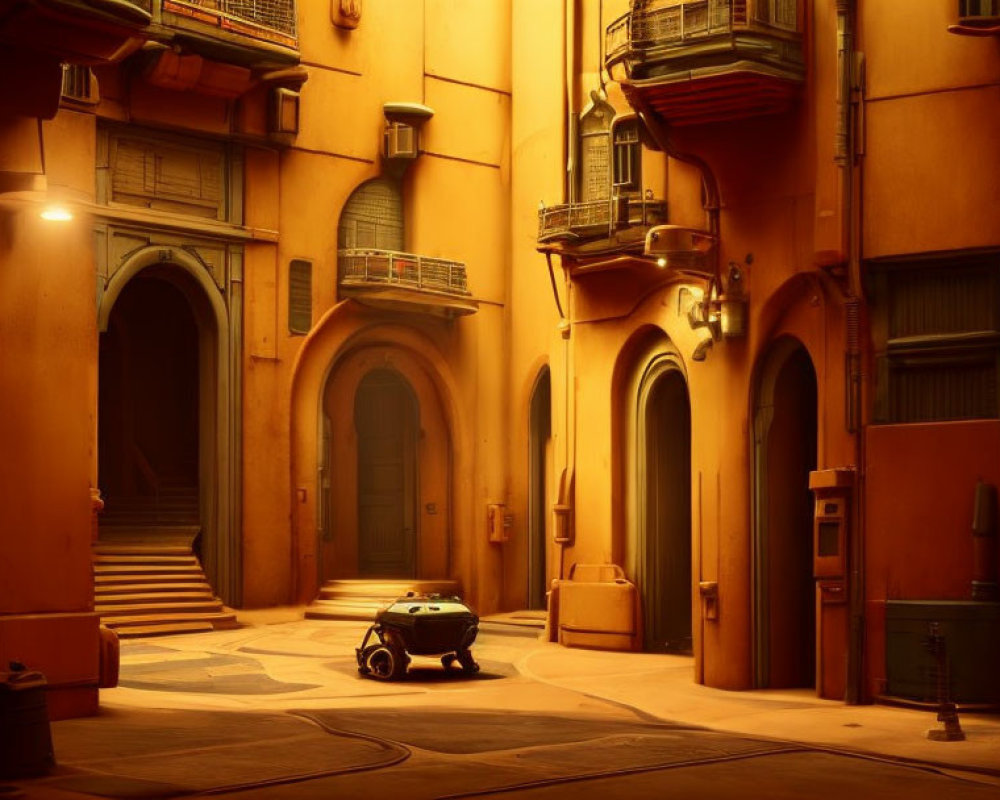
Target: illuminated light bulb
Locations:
point(661, 262)
point(57, 214)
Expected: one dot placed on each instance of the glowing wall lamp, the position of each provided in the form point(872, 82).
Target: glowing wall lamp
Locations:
point(26, 188)
point(687, 250)
point(56, 213)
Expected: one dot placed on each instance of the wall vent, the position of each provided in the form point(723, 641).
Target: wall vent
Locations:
point(79, 85)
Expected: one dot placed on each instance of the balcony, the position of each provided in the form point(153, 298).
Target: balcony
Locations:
point(37, 38)
point(618, 224)
point(705, 61)
point(407, 282)
point(251, 33)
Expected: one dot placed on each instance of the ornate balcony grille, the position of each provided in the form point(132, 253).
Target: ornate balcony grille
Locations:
point(261, 18)
point(644, 27)
point(598, 217)
point(406, 270)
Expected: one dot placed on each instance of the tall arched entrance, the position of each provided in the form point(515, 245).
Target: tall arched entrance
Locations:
point(784, 452)
point(658, 491)
point(539, 444)
point(385, 471)
point(386, 419)
point(149, 404)
point(169, 425)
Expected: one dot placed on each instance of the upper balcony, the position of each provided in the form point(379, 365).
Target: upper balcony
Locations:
point(704, 61)
point(617, 224)
point(405, 281)
point(250, 33)
point(37, 38)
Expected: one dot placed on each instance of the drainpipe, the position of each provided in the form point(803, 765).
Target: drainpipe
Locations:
point(845, 155)
point(710, 186)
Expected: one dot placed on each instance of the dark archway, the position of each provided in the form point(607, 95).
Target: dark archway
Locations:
point(151, 403)
point(539, 443)
point(386, 418)
point(785, 435)
point(665, 509)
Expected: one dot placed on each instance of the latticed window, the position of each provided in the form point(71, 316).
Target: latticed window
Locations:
point(592, 177)
point(626, 170)
point(937, 330)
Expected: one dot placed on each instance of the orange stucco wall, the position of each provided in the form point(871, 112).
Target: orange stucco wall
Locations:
point(48, 388)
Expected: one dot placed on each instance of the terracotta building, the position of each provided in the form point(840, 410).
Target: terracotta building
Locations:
point(690, 306)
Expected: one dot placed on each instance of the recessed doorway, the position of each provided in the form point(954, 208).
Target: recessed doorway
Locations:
point(785, 429)
point(386, 421)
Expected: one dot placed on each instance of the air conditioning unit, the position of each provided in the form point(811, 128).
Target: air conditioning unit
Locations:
point(283, 114)
point(979, 12)
point(400, 140)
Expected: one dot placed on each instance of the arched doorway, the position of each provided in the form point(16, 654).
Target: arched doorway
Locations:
point(169, 382)
point(386, 418)
point(658, 545)
point(539, 444)
point(785, 428)
point(664, 506)
point(149, 399)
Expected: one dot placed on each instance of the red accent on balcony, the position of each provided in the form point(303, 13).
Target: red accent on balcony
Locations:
point(724, 97)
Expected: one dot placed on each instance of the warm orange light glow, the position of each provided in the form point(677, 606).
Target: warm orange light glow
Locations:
point(56, 214)
point(661, 262)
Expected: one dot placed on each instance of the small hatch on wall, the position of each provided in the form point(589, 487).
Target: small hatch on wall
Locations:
point(401, 138)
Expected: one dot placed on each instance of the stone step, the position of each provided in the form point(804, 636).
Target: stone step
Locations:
point(192, 570)
point(344, 610)
point(109, 612)
point(179, 580)
point(361, 599)
point(164, 629)
point(104, 588)
point(218, 620)
point(177, 535)
point(106, 559)
point(387, 589)
point(106, 600)
point(134, 548)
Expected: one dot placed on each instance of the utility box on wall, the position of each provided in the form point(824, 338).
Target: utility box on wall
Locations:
point(971, 631)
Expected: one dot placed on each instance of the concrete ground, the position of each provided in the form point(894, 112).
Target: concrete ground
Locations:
point(277, 709)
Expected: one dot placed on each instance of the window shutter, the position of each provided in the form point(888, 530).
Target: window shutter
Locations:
point(299, 296)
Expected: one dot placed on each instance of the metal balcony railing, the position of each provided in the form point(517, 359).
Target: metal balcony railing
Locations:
point(687, 22)
point(598, 217)
point(406, 270)
point(264, 18)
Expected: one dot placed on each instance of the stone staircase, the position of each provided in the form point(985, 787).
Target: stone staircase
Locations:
point(360, 599)
point(144, 589)
point(147, 579)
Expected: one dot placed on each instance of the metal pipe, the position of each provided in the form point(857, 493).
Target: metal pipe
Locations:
point(711, 201)
point(845, 147)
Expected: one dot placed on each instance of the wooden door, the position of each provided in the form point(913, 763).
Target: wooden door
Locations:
point(385, 413)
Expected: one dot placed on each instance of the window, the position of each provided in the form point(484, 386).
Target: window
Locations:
point(627, 176)
point(591, 170)
point(299, 296)
point(937, 336)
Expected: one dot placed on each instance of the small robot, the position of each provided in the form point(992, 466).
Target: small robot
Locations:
point(421, 625)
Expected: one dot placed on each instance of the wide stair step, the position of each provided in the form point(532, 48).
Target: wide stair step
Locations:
point(154, 587)
point(361, 599)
